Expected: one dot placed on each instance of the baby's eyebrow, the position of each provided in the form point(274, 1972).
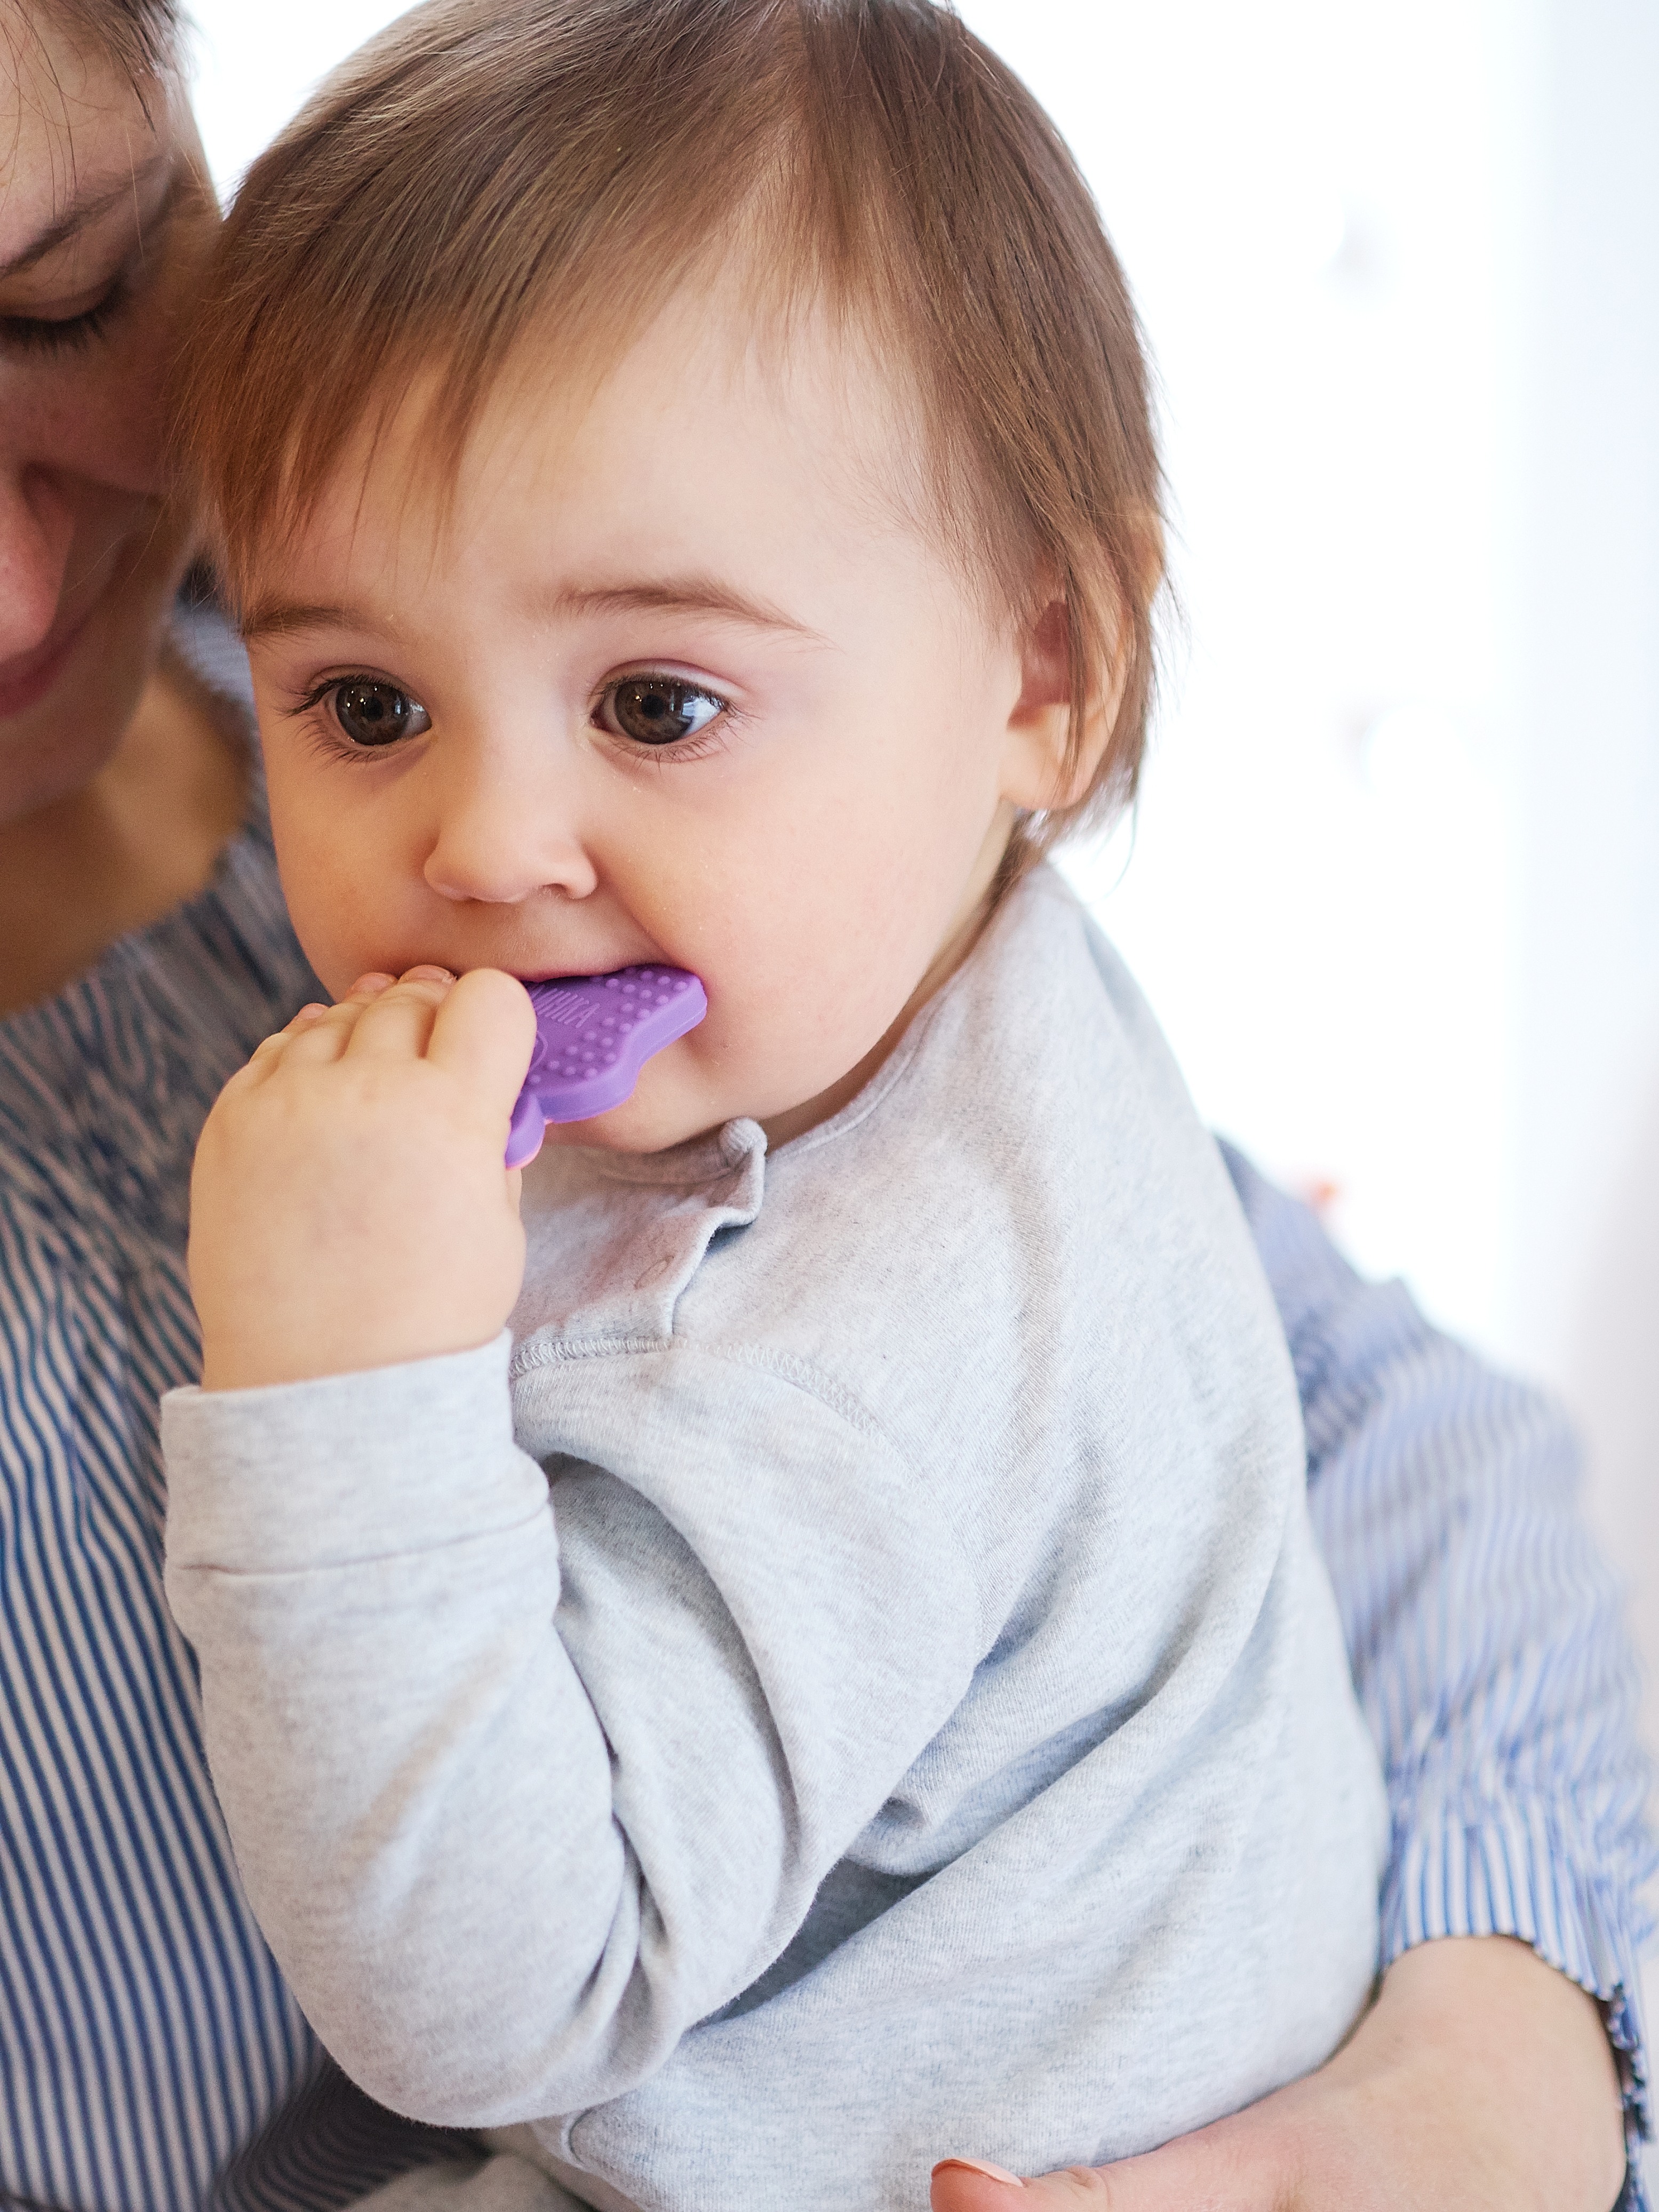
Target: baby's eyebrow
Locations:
point(682, 595)
point(672, 595)
point(279, 618)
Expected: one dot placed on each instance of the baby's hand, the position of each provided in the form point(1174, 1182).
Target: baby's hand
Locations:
point(348, 1207)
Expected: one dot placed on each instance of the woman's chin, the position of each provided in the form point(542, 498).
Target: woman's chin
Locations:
point(63, 714)
point(65, 707)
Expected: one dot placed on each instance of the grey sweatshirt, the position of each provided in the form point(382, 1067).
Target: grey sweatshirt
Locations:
point(852, 1679)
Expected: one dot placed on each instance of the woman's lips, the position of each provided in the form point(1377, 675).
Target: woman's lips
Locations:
point(28, 676)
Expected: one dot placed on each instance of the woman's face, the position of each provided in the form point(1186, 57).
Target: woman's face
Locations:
point(105, 218)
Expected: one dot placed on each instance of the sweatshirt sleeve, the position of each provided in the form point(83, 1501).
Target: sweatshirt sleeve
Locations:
point(1485, 1630)
point(520, 1786)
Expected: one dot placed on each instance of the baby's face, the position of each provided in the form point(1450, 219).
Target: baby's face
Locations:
point(672, 682)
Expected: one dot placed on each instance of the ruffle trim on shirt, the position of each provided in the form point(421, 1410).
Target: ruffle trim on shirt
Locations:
point(1506, 1869)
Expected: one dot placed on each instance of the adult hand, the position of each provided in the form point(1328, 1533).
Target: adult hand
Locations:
point(1480, 2081)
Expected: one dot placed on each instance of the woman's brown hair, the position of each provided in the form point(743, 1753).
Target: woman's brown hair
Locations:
point(142, 36)
point(490, 177)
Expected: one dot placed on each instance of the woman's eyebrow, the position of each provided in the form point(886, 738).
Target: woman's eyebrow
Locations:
point(86, 208)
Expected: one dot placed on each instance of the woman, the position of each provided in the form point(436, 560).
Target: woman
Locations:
point(150, 2055)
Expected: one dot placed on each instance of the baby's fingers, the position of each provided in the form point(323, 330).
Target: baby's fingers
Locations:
point(397, 1022)
point(271, 1049)
point(318, 1034)
point(269, 1054)
point(487, 1027)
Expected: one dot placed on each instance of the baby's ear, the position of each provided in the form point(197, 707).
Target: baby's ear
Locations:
point(1041, 771)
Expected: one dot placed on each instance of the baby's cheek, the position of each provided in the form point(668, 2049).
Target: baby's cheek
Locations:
point(808, 1045)
point(345, 921)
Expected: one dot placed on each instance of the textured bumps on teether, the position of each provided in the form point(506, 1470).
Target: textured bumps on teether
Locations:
point(593, 1035)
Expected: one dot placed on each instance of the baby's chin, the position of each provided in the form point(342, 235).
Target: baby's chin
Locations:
point(672, 1106)
point(623, 1131)
point(656, 1118)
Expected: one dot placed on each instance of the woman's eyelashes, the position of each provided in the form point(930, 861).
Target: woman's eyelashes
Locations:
point(66, 333)
point(62, 334)
point(144, 257)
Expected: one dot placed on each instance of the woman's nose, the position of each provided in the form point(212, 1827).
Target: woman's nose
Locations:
point(499, 842)
point(36, 526)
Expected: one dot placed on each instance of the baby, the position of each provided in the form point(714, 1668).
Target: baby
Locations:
point(792, 1644)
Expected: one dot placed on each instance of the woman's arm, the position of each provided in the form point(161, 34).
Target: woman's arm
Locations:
point(1494, 1666)
point(1486, 1629)
point(1480, 2081)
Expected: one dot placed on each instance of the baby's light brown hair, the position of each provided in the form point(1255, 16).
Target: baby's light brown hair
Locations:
point(489, 177)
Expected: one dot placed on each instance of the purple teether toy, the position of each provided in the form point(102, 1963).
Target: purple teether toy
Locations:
point(593, 1035)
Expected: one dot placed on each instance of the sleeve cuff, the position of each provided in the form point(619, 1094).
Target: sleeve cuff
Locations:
point(1505, 1868)
point(302, 1476)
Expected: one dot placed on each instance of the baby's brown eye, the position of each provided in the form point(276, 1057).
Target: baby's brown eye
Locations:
point(655, 710)
point(373, 712)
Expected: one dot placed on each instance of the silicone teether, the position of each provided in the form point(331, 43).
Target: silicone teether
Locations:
point(593, 1035)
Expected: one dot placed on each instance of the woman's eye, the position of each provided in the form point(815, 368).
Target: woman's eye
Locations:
point(63, 333)
point(657, 710)
point(373, 712)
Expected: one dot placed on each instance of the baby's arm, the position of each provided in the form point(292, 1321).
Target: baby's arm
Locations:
point(517, 1797)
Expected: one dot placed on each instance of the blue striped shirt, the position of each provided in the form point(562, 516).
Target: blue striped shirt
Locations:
point(1485, 1630)
point(151, 2059)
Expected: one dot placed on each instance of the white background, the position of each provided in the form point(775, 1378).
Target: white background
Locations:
point(1391, 887)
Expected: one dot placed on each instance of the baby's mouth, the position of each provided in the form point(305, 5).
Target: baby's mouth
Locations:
point(593, 1036)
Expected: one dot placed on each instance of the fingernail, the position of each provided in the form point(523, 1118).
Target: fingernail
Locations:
point(982, 2165)
point(373, 981)
point(427, 973)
